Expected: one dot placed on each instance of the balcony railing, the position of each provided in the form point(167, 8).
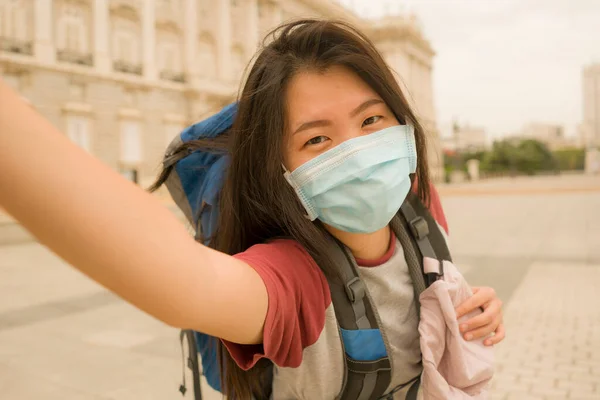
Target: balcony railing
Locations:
point(127, 67)
point(172, 76)
point(75, 57)
point(18, 46)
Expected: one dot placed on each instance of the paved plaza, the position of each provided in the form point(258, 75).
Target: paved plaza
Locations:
point(536, 240)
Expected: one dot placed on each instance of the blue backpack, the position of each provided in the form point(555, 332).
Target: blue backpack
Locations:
point(195, 182)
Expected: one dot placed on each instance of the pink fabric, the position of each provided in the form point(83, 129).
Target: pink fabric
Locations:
point(453, 368)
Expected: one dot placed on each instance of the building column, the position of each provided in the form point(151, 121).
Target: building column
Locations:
point(101, 34)
point(429, 93)
point(192, 71)
point(44, 19)
point(224, 40)
point(252, 38)
point(149, 39)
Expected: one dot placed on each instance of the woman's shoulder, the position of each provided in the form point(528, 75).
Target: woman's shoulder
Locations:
point(283, 253)
point(298, 295)
point(285, 265)
point(277, 245)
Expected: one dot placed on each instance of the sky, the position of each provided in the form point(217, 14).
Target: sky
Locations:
point(501, 64)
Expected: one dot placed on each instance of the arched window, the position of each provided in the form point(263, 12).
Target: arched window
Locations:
point(15, 26)
point(72, 32)
point(124, 45)
point(207, 56)
point(126, 41)
point(78, 130)
point(169, 54)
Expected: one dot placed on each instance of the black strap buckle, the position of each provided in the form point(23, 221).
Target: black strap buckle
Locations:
point(419, 228)
point(355, 289)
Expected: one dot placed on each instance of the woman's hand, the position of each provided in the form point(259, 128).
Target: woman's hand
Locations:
point(487, 323)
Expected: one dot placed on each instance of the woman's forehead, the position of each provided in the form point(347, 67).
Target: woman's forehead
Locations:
point(313, 94)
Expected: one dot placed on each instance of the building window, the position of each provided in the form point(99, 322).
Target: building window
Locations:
point(126, 45)
point(207, 57)
point(131, 149)
point(169, 57)
point(125, 49)
point(131, 142)
point(13, 19)
point(15, 26)
point(72, 35)
point(78, 130)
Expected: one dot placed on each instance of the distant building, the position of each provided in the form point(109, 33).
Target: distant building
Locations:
point(590, 129)
point(466, 138)
point(553, 135)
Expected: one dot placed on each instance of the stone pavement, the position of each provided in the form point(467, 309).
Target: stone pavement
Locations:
point(537, 242)
point(552, 350)
point(64, 337)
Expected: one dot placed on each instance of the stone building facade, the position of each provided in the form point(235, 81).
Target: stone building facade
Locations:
point(122, 77)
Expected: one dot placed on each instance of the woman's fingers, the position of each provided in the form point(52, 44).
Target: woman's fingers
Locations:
point(485, 330)
point(497, 337)
point(491, 311)
point(481, 296)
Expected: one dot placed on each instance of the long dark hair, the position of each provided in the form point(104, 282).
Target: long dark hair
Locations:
point(257, 204)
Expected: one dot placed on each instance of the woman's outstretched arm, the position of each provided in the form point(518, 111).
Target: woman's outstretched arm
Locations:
point(118, 235)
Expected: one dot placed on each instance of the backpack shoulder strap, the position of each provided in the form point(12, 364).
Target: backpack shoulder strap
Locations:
point(367, 370)
point(420, 237)
point(416, 212)
point(192, 363)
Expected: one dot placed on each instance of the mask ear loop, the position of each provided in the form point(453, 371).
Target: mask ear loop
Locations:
point(311, 216)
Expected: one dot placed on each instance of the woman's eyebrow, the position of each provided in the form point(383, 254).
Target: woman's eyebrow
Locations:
point(325, 122)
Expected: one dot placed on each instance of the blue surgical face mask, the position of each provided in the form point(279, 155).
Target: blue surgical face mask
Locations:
point(359, 185)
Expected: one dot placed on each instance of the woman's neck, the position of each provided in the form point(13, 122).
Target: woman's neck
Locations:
point(366, 246)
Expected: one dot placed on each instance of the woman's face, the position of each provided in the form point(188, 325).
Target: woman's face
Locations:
point(325, 109)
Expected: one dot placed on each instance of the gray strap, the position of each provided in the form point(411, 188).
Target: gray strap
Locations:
point(435, 235)
point(412, 259)
point(354, 286)
point(192, 363)
point(369, 382)
point(420, 230)
point(360, 315)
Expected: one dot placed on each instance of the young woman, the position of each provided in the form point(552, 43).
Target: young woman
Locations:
point(324, 143)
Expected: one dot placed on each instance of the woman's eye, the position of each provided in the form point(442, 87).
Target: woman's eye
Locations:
point(371, 120)
point(317, 140)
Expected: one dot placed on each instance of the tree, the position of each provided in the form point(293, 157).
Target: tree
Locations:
point(532, 156)
point(570, 159)
point(527, 156)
